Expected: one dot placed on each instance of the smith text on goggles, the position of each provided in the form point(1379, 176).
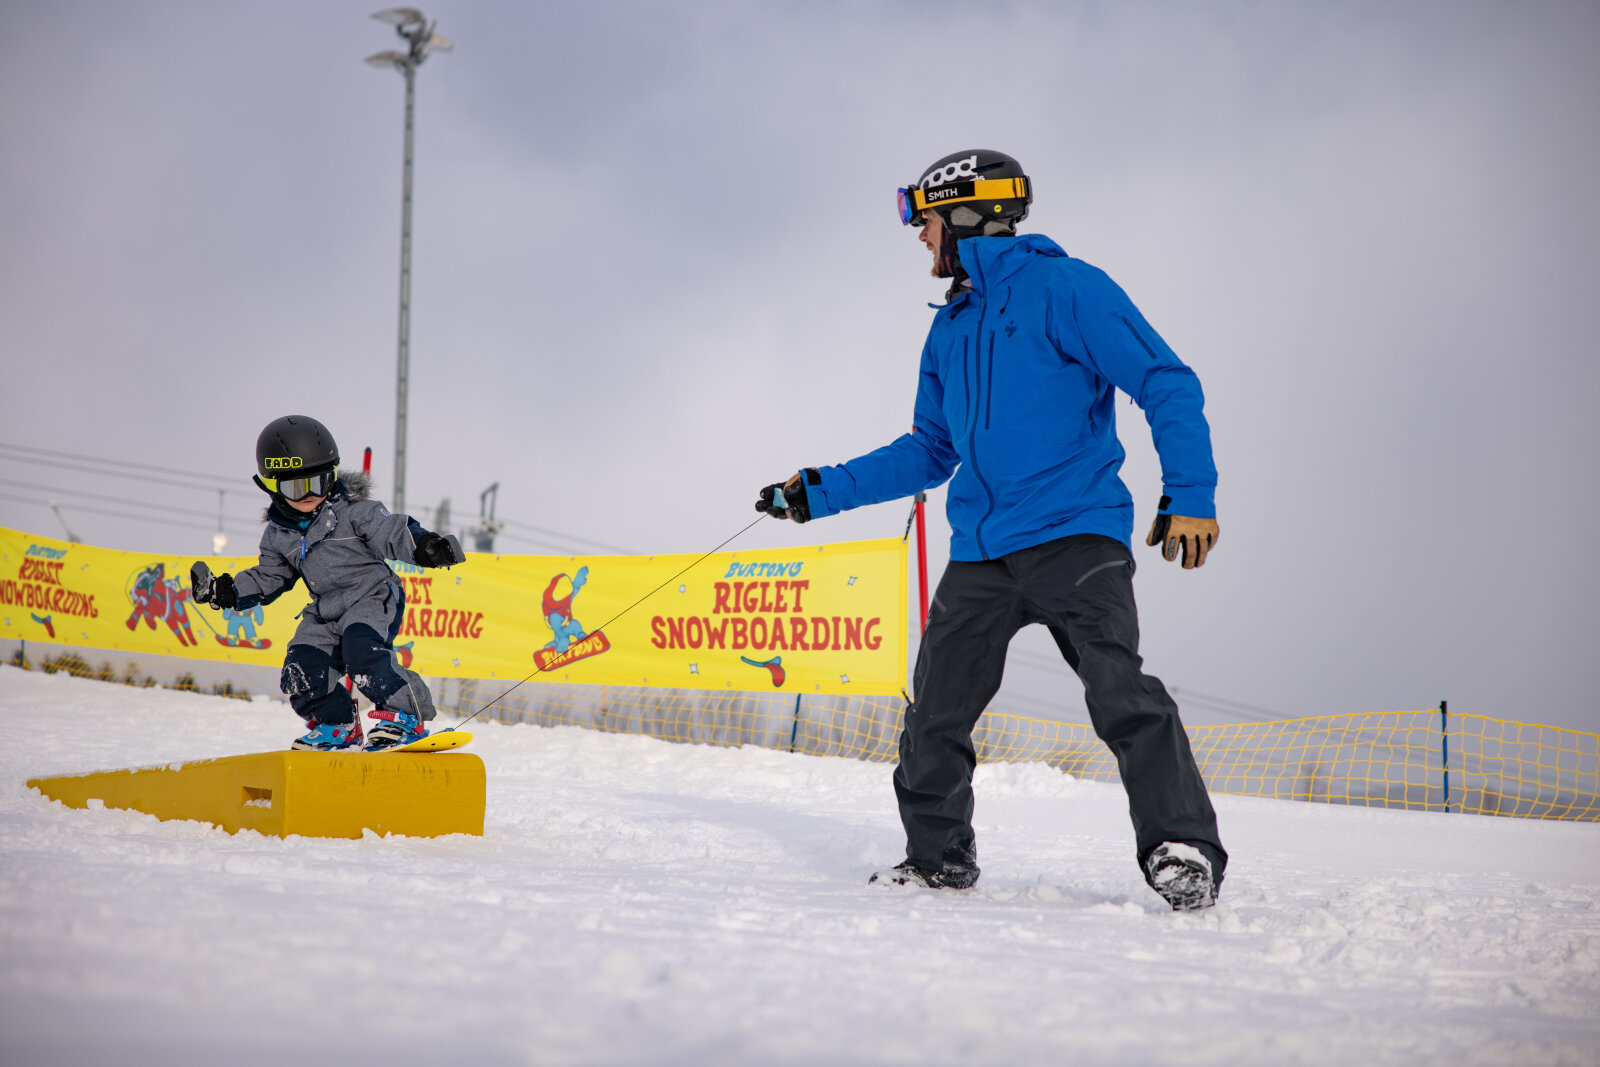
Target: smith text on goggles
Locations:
point(913, 201)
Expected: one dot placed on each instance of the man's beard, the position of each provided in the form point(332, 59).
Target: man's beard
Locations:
point(946, 261)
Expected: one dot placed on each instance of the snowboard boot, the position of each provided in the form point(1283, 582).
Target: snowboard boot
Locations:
point(951, 874)
point(1181, 874)
point(394, 728)
point(330, 737)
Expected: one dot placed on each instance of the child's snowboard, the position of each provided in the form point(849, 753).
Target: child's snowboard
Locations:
point(433, 742)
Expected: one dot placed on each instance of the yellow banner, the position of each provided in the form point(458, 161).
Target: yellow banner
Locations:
point(818, 619)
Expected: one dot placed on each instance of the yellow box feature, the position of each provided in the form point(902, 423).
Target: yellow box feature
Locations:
point(314, 794)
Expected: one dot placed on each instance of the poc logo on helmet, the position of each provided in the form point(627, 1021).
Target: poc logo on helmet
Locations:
point(282, 463)
point(961, 168)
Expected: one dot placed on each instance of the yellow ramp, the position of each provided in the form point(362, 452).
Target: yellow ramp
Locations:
point(315, 794)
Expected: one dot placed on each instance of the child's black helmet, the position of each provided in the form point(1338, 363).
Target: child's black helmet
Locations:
point(296, 457)
point(978, 193)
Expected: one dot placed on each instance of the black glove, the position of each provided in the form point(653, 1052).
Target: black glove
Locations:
point(787, 500)
point(435, 550)
point(215, 590)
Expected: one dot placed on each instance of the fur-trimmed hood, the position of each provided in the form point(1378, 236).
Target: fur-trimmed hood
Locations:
point(357, 486)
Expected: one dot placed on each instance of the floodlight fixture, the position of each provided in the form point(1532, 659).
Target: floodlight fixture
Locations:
point(399, 16)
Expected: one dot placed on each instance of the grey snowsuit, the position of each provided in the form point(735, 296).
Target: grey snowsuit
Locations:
point(357, 603)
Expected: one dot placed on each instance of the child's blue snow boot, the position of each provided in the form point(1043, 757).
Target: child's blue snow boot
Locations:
point(331, 737)
point(394, 728)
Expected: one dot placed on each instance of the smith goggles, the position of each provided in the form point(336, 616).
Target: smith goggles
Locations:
point(913, 201)
point(302, 486)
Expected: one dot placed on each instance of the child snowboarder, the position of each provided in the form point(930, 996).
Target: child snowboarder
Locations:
point(322, 527)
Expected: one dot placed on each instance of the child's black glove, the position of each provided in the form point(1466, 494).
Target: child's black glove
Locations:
point(216, 590)
point(434, 550)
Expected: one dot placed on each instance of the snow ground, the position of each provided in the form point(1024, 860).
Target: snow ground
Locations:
point(638, 902)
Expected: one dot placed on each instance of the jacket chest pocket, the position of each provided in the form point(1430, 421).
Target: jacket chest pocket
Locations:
point(962, 389)
point(312, 574)
point(978, 363)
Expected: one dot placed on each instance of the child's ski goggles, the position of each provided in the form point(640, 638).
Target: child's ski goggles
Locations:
point(913, 201)
point(302, 486)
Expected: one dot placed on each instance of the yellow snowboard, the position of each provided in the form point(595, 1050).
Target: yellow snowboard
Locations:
point(433, 742)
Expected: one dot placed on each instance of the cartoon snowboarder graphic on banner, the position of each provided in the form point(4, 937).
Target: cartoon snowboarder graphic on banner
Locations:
point(155, 598)
point(558, 609)
point(242, 627)
point(570, 641)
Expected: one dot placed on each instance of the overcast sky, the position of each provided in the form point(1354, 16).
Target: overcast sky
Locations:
point(657, 266)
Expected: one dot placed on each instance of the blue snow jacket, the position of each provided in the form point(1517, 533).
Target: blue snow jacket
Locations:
point(1016, 400)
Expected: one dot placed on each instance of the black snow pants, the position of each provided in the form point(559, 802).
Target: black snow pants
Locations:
point(1081, 588)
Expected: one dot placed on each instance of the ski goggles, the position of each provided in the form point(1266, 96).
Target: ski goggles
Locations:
point(302, 486)
point(913, 200)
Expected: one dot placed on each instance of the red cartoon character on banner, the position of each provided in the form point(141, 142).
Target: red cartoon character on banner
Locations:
point(155, 598)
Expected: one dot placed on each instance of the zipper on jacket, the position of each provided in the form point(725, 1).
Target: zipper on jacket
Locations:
point(966, 384)
point(988, 399)
point(977, 531)
point(1142, 342)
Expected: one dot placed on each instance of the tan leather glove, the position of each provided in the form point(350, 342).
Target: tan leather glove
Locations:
point(1181, 535)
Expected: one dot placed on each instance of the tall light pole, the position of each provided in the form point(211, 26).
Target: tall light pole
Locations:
point(418, 33)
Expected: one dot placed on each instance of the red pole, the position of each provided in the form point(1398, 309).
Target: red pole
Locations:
point(922, 559)
point(366, 462)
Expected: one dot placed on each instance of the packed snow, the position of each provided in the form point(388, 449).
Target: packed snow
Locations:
point(634, 901)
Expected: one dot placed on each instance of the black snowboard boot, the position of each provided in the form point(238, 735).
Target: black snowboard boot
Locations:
point(1182, 874)
point(951, 874)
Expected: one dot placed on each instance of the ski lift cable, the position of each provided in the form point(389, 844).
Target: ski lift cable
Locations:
point(125, 501)
point(141, 467)
point(75, 461)
point(85, 508)
point(144, 477)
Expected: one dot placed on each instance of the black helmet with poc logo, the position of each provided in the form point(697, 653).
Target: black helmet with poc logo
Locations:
point(296, 457)
point(978, 193)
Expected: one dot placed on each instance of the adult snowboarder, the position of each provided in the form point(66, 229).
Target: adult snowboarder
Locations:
point(1015, 406)
point(321, 526)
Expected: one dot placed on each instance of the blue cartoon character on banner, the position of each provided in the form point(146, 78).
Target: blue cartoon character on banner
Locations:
point(242, 627)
